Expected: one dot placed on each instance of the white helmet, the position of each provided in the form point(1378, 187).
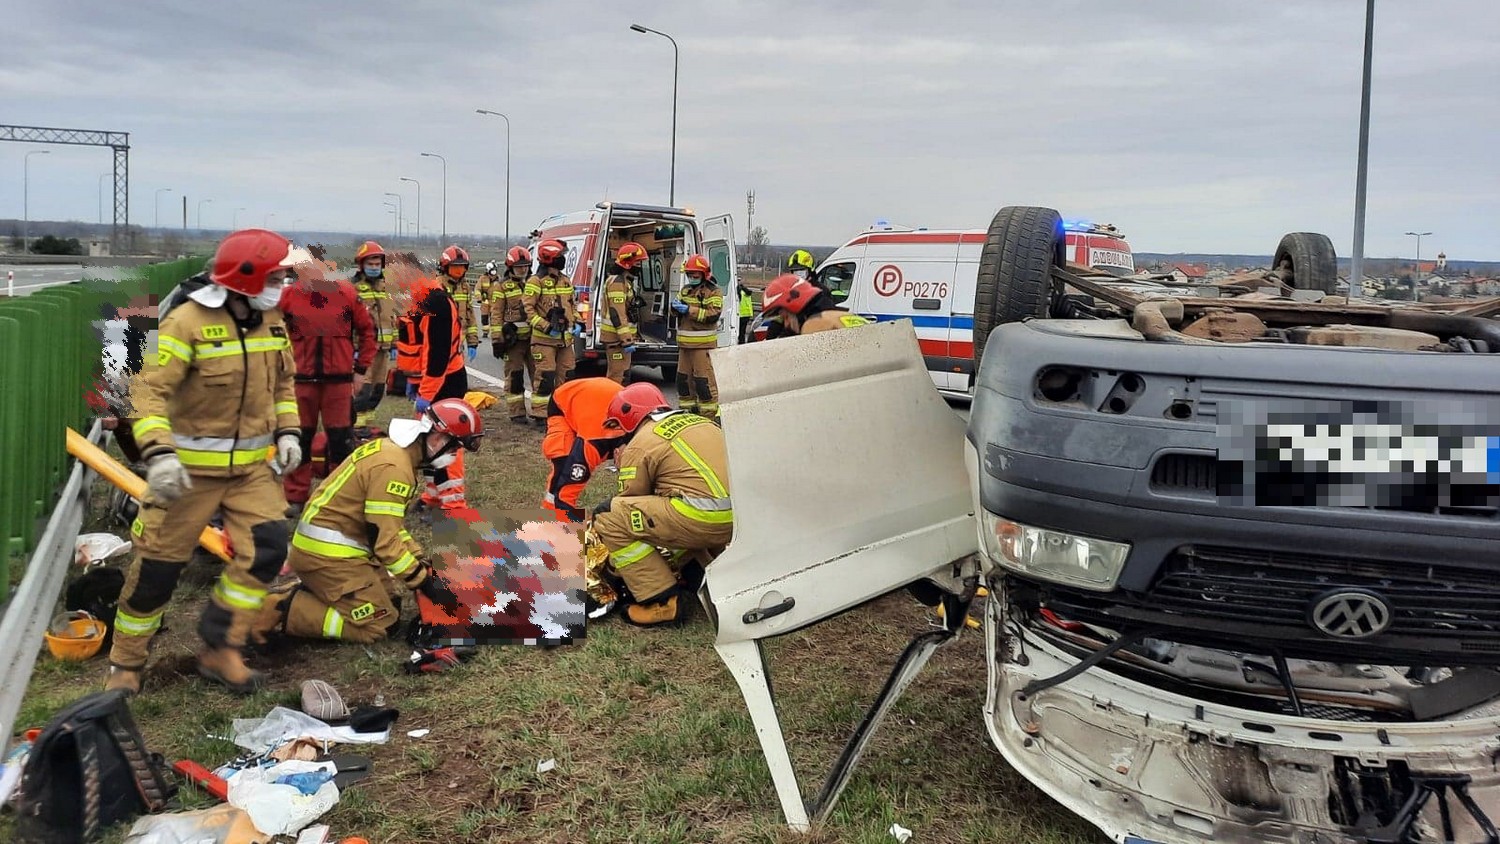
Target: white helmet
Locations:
point(489, 267)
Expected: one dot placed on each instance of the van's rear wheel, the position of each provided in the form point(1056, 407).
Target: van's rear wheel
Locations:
point(1024, 243)
point(1314, 264)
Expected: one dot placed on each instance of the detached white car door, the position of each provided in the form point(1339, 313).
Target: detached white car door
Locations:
point(905, 511)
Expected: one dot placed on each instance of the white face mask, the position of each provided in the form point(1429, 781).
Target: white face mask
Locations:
point(268, 298)
point(802, 274)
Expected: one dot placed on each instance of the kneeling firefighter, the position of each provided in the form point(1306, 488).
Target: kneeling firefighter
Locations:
point(673, 494)
point(208, 443)
point(575, 419)
point(352, 537)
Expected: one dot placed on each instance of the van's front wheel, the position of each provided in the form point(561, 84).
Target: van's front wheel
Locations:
point(1024, 243)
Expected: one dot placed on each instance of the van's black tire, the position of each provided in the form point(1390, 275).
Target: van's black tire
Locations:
point(1315, 265)
point(1024, 243)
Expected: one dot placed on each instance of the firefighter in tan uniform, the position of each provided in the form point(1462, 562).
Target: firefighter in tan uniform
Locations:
point(214, 412)
point(352, 539)
point(804, 308)
point(617, 332)
point(698, 312)
point(370, 282)
point(453, 265)
point(554, 322)
point(674, 494)
point(510, 333)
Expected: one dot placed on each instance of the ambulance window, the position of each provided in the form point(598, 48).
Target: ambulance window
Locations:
point(838, 278)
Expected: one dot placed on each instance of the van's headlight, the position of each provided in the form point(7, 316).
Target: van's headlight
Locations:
point(1050, 555)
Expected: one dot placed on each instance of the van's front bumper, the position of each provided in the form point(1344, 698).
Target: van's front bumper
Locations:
point(1139, 762)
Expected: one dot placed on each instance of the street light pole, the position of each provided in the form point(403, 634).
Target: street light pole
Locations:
point(200, 212)
point(26, 195)
point(419, 203)
point(268, 219)
point(507, 168)
point(1357, 256)
point(156, 206)
point(445, 190)
point(672, 190)
point(1417, 270)
point(236, 224)
point(400, 211)
point(297, 225)
point(395, 222)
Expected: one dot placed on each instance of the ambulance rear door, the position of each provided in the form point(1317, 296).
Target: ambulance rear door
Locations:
point(718, 248)
point(961, 364)
point(911, 276)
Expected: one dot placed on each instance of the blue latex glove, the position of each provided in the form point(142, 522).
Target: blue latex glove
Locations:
point(629, 350)
point(393, 355)
point(577, 330)
point(411, 388)
point(473, 350)
point(555, 334)
point(679, 306)
point(422, 405)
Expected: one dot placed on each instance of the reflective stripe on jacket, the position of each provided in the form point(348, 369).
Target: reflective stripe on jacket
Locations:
point(681, 457)
point(700, 325)
point(218, 393)
point(359, 511)
point(544, 294)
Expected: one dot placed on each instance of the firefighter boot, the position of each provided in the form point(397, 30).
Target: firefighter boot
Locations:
point(122, 679)
point(227, 666)
point(662, 611)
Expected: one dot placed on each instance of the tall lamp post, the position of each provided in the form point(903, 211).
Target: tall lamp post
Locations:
point(395, 219)
point(236, 224)
point(400, 210)
point(1417, 270)
point(672, 190)
point(26, 196)
point(445, 190)
point(419, 203)
point(268, 219)
point(1357, 256)
point(200, 212)
point(156, 206)
point(507, 167)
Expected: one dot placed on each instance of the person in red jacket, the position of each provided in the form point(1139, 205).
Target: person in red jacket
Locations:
point(442, 374)
point(325, 319)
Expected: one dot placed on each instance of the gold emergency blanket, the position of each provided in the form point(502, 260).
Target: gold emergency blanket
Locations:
point(595, 558)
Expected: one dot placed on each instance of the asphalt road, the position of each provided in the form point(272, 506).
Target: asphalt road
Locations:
point(31, 278)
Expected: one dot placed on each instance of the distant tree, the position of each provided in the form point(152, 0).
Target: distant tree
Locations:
point(49, 245)
point(759, 240)
point(171, 244)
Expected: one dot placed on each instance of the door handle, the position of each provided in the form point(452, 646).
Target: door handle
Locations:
point(763, 613)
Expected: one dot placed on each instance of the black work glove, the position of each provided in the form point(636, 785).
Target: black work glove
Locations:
point(495, 347)
point(436, 591)
point(604, 506)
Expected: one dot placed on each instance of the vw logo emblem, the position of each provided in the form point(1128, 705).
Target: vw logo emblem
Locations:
point(1350, 613)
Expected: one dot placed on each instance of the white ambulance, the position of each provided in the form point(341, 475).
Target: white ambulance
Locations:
point(929, 277)
point(670, 235)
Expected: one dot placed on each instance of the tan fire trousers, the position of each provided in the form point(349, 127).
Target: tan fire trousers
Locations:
point(636, 525)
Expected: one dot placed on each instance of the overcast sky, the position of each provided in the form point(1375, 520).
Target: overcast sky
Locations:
point(1194, 125)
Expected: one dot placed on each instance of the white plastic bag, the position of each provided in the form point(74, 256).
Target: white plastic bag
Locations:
point(282, 724)
point(92, 549)
point(282, 809)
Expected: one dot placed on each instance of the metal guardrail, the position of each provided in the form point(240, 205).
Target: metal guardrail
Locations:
point(49, 357)
point(27, 614)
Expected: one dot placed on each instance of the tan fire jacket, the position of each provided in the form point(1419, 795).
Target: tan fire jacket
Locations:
point(616, 328)
point(369, 490)
point(507, 305)
point(460, 292)
point(542, 294)
point(218, 395)
point(680, 456)
point(700, 325)
point(381, 308)
point(830, 320)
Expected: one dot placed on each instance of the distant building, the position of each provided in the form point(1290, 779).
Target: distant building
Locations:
point(99, 249)
point(1189, 272)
